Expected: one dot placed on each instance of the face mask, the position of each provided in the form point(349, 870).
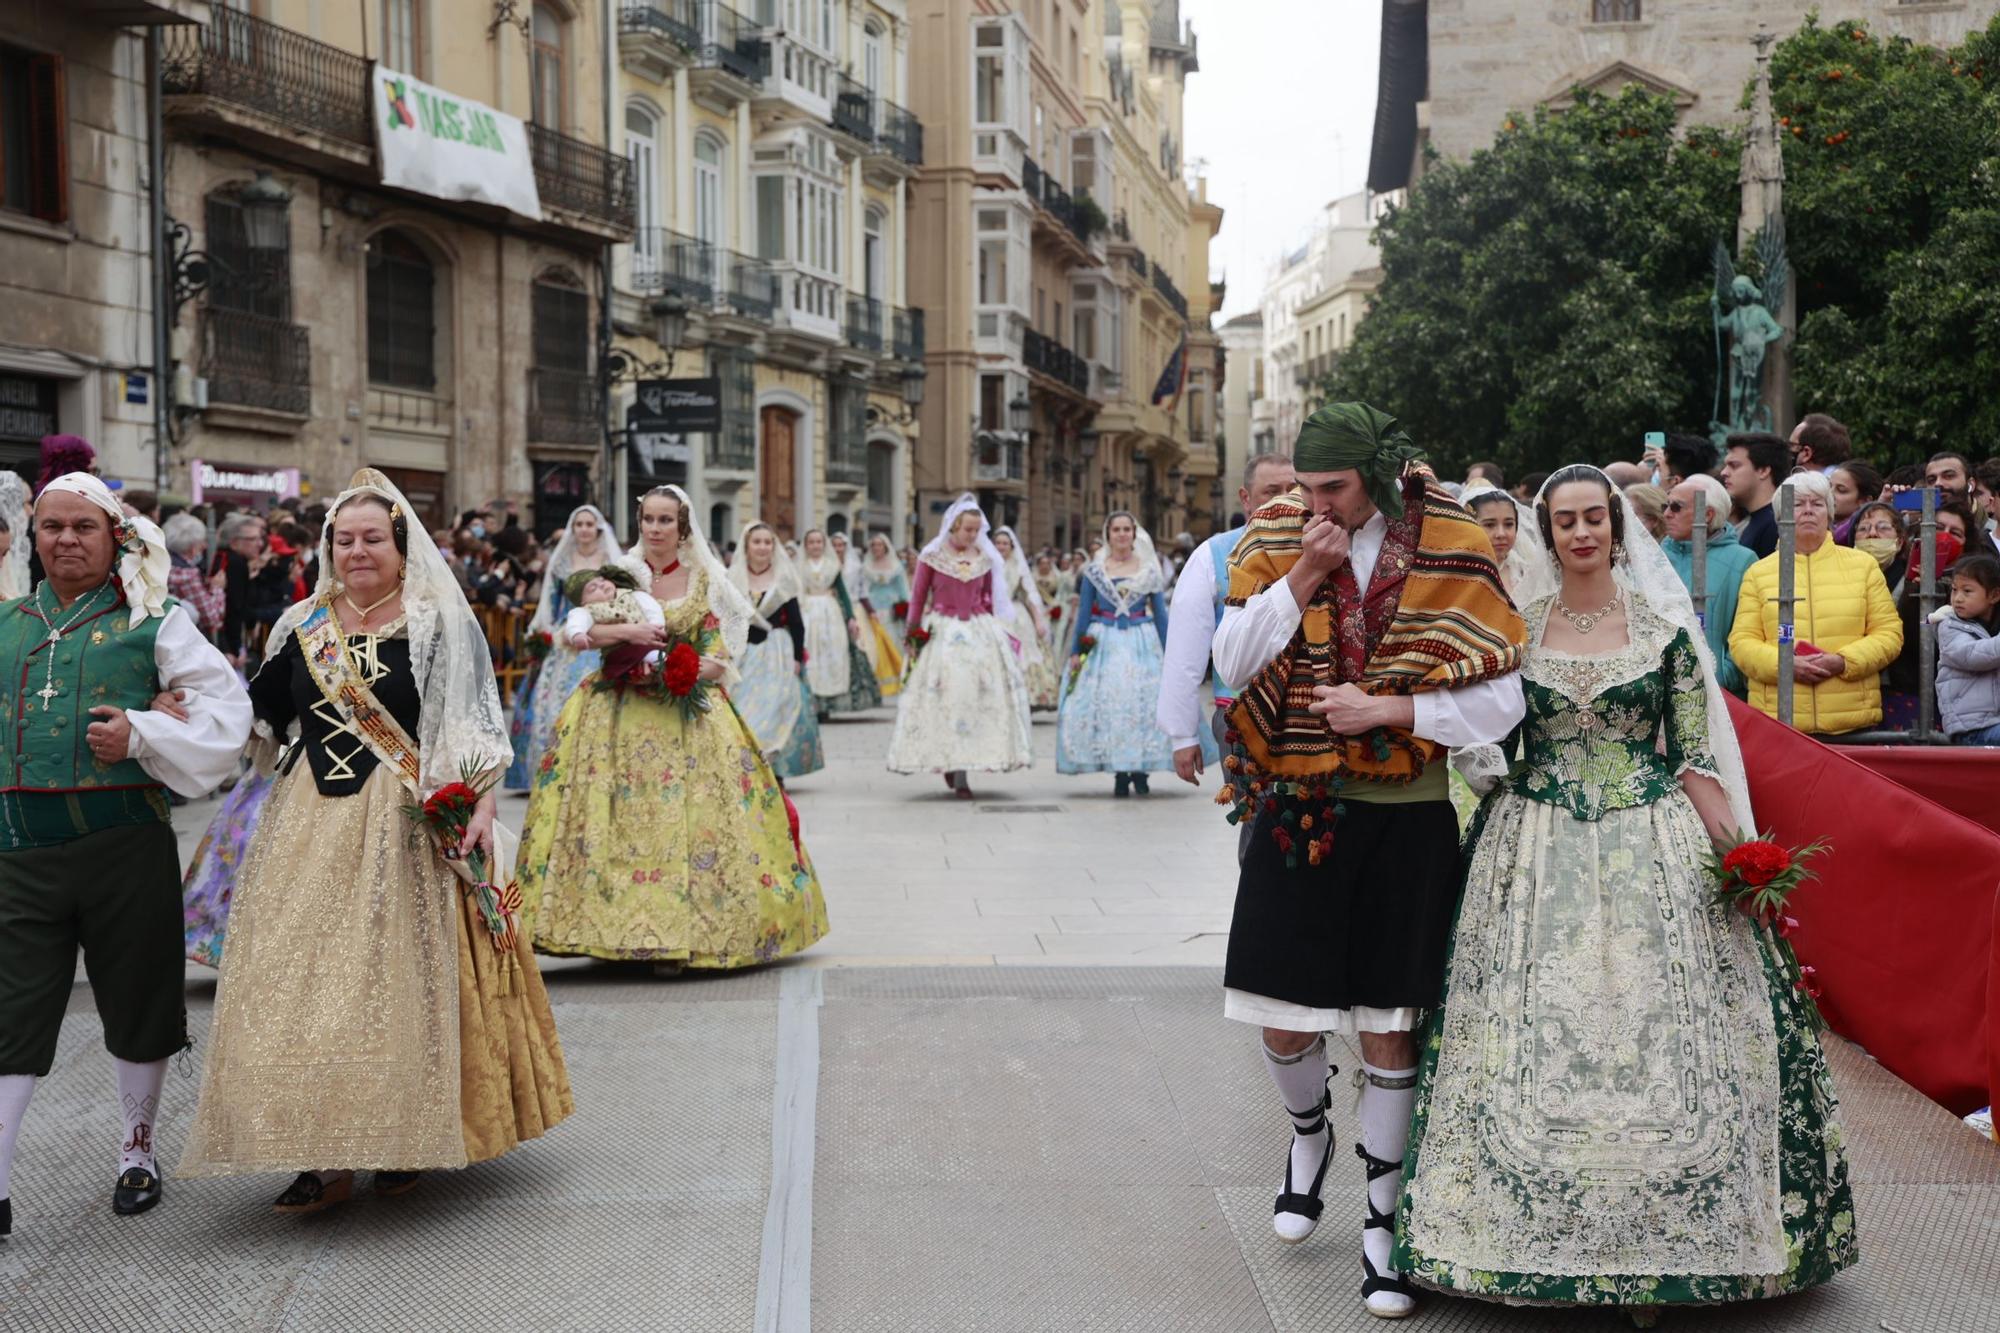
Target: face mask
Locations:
point(1882, 548)
point(479, 530)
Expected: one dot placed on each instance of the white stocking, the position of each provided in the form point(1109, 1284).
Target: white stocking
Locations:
point(15, 1090)
point(1301, 1083)
point(1385, 1132)
point(139, 1094)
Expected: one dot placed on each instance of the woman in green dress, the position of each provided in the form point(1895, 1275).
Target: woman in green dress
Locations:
point(1622, 1102)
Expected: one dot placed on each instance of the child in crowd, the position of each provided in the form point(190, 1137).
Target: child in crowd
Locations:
point(1968, 674)
point(611, 596)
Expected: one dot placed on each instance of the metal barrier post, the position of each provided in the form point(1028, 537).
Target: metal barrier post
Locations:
point(1787, 547)
point(1926, 603)
point(1700, 537)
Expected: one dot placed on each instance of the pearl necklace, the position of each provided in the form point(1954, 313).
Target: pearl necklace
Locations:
point(1586, 621)
point(49, 690)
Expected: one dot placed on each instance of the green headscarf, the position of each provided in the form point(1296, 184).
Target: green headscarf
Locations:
point(1354, 435)
point(616, 575)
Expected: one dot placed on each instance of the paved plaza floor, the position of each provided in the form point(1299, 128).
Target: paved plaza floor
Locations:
point(1001, 1096)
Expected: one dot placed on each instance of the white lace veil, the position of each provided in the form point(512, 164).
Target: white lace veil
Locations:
point(1019, 575)
point(730, 607)
point(1527, 571)
point(829, 566)
point(785, 581)
point(891, 563)
point(461, 727)
point(562, 563)
point(1003, 605)
point(14, 509)
point(850, 564)
point(1644, 571)
point(1151, 578)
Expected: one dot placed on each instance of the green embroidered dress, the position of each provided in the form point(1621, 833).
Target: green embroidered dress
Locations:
point(1621, 1102)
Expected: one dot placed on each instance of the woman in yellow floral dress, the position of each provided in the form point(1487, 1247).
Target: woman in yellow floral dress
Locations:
point(655, 836)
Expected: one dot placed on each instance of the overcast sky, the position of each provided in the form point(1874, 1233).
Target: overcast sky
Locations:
point(1282, 111)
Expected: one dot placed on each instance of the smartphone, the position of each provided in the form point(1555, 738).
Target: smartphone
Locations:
point(1910, 499)
point(1655, 439)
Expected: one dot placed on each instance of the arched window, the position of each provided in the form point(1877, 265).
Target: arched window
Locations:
point(874, 255)
point(871, 55)
point(546, 60)
point(642, 149)
point(718, 534)
point(402, 314)
point(711, 213)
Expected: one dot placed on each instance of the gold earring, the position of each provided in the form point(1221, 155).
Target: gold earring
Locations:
point(402, 571)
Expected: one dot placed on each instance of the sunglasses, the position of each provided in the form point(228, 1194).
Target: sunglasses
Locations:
point(1675, 506)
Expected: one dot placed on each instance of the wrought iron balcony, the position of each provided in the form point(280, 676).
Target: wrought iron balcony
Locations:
point(998, 458)
point(666, 261)
point(678, 21)
point(1031, 177)
point(906, 341)
point(1051, 358)
point(864, 323)
point(262, 67)
point(900, 133)
point(752, 287)
point(256, 361)
point(735, 44)
point(1164, 285)
point(853, 108)
point(582, 178)
point(564, 407)
point(1121, 228)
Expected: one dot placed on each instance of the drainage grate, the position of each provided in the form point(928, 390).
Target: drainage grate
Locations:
point(1020, 809)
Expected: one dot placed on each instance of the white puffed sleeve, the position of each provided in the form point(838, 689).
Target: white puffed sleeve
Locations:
point(196, 756)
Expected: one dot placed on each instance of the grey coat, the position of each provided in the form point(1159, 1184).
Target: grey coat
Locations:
point(1968, 676)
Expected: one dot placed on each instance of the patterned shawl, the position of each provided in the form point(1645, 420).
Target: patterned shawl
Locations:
point(1435, 615)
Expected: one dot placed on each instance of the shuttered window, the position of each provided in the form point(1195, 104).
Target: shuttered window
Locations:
point(402, 314)
point(257, 282)
point(562, 328)
point(34, 158)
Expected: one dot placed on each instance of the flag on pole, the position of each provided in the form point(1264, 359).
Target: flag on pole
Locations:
point(1174, 378)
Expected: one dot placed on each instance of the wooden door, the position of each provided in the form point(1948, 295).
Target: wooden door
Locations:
point(777, 494)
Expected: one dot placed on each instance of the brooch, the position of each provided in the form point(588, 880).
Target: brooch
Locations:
point(97, 636)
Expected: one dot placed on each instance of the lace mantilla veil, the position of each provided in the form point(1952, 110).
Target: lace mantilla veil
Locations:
point(785, 581)
point(562, 563)
point(1003, 605)
point(726, 602)
point(461, 727)
point(1150, 579)
point(1020, 576)
point(1645, 572)
point(1530, 573)
point(14, 509)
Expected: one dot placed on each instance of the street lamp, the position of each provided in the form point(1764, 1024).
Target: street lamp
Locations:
point(913, 387)
point(266, 209)
point(670, 317)
point(1088, 439)
point(1020, 413)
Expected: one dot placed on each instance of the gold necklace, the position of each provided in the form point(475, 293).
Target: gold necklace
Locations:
point(1586, 621)
point(363, 612)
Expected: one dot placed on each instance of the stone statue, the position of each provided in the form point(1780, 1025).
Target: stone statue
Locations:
point(1739, 309)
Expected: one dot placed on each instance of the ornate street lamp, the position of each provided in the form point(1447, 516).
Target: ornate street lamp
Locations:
point(670, 317)
point(266, 209)
point(913, 387)
point(1020, 414)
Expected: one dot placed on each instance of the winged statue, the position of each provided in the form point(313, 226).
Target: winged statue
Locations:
point(1742, 311)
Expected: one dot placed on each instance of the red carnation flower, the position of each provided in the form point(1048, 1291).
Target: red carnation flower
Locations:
point(1757, 863)
point(683, 666)
point(451, 798)
point(1055, 613)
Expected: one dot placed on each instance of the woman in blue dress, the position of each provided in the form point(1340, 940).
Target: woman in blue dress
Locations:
point(772, 696)
point(587, 543)
point(1105, 722)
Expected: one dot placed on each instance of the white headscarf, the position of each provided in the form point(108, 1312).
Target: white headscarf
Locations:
point(562, 563)
point(1003, 605)
point(892, 562)
point(1527, 571)
point(1644, 572)
point(785, 582)
point(730, 607)
point(850, 564)
point(1150, 579)
point(819, 574)
point(143, 562)
point(14, 509)
point(1020, 576)
point(461, 728)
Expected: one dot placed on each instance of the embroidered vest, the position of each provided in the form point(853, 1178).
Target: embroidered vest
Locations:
point(99, 661)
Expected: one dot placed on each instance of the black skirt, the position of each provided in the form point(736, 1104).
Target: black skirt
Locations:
point(1368, 925)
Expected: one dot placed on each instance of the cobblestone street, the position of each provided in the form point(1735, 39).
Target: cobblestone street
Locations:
point(1001, 1096)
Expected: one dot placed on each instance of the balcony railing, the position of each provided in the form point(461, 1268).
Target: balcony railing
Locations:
point(1000, 459)
point(1164, 285)
point(1031, 178)
point(900, 133)
point(847, 462)
point(260, 66)
point(906, 340)
point(678, 21)
point(1121, 228)
point(1051, 358)
point(864, 323)
point(408, 409)
point(734, 44)
point(1048, 193)
point(256, 362)
point(564, 407)
point(752, 289)
point(809, 303)
point(666, 261)
point(853, 108)
point(581, 177)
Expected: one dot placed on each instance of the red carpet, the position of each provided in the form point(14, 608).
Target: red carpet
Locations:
point(1902, 922)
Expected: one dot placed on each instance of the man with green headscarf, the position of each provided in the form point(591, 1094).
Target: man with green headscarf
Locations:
point(1366, 633)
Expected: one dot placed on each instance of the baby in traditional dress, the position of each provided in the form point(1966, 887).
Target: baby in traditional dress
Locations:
point(611, 596)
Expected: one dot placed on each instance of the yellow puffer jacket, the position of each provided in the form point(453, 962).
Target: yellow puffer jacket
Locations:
point(1843, 607)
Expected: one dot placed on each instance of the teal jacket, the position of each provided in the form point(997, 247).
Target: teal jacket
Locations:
point(1727, 561)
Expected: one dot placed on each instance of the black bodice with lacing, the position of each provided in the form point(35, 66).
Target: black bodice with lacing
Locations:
point(284, 692)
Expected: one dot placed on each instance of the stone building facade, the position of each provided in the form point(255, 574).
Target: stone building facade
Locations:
point(1452, 69)
point(1313, 306)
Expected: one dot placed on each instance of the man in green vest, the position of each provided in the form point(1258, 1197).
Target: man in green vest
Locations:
point(87, 853)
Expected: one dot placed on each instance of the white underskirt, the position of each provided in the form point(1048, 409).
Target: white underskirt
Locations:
point(1247, 1007)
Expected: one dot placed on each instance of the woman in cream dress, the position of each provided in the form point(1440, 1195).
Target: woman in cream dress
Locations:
point(1031, 622)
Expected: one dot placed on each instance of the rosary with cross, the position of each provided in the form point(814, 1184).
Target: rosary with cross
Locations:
point(49, 690)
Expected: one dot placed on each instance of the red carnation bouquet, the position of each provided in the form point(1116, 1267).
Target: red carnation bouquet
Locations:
point(1083, 647)
point(538, 644)
point(1758, 876)
point(446, 814)
point(915, 640)
point(1055, 613)
point(901, 611)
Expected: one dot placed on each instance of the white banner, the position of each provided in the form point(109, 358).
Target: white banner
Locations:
point(450, 147)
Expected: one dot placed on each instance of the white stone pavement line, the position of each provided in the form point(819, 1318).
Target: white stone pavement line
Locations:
point(784, 1272)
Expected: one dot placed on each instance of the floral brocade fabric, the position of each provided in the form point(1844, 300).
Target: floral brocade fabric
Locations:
point(654, 836)
point(1621, 1101)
